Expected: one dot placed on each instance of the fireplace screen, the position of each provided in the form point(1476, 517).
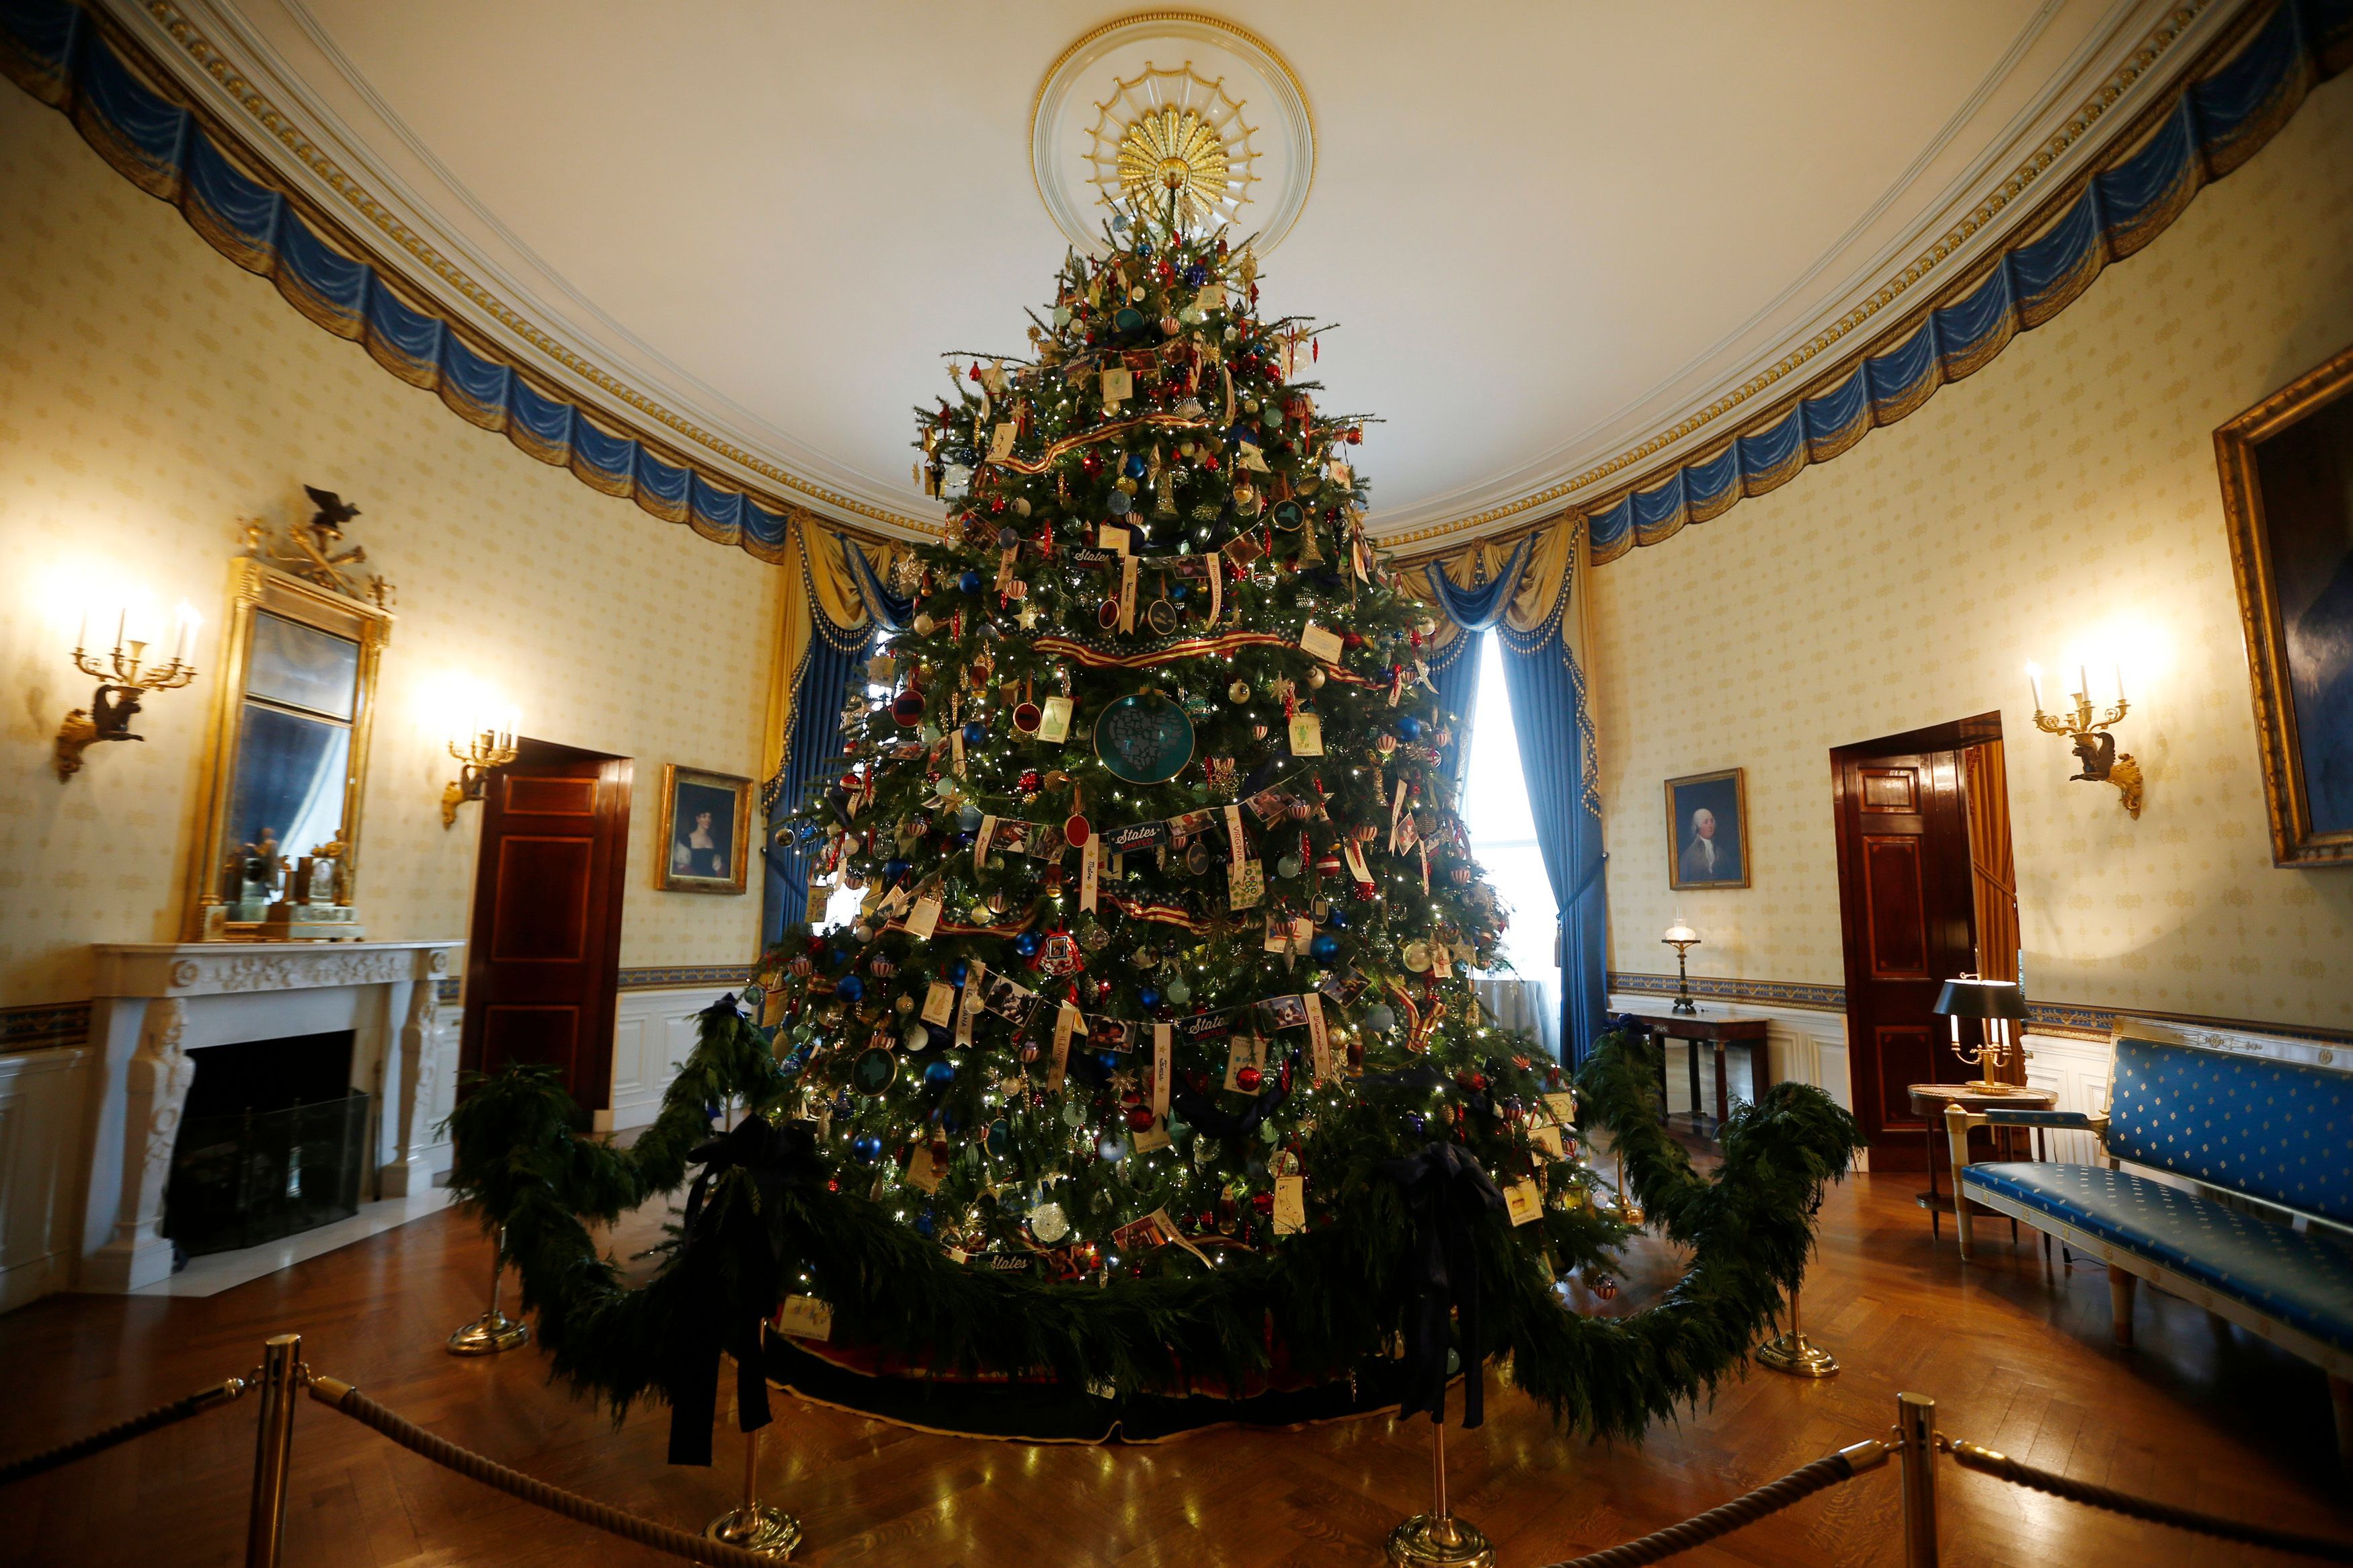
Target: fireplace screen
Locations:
point(244, 1178)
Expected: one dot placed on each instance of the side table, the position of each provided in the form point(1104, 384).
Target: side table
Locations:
point(1723, 1033)
point(1929, 1102)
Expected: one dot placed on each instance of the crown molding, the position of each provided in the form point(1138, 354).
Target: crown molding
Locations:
point(215, 56)
point(2141, 50)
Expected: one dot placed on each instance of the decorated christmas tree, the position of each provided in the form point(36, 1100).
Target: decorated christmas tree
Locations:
point(1167, 922)
point(1148, 1087)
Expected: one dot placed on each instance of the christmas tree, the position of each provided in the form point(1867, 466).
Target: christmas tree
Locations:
point(1167, 922)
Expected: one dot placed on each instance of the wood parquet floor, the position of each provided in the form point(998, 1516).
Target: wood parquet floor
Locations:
point(2015, 1350)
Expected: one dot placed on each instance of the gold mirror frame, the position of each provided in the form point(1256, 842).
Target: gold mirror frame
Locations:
point(257, 586)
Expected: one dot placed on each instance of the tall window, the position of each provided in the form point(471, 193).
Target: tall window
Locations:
point(1503, 840)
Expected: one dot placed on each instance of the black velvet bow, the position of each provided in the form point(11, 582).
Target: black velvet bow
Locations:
point(1446, 1192)
point(728, 1278)
point(1202, 1114)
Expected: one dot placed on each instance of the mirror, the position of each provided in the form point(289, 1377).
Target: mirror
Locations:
point(279, 856)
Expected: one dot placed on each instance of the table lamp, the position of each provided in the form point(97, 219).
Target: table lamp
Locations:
point(1683, 939)
point(1996, 1004)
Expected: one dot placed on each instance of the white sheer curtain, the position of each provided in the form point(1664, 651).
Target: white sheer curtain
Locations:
point(1503, 840)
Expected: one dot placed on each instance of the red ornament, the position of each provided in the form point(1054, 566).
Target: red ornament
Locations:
point(1140, 1118)
point(1263, 1204)
point(1248, 1079)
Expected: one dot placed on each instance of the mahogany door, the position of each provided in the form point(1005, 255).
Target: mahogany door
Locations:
point(545, 960)
point(1905, 901)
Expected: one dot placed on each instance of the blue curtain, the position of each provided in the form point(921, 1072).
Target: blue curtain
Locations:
point(1455, 673)
point(1548, 710)
point(830, 669)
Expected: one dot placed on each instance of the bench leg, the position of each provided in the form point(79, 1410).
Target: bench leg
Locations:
point(2340, 1395)
point(1957, 1135)
point(2120, 1303)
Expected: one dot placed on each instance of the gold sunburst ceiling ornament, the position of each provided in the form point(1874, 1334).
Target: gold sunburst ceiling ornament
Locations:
point(1174, 152)
point(1164, 130)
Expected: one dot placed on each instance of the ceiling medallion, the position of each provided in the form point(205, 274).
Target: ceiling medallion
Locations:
point(1113, 125)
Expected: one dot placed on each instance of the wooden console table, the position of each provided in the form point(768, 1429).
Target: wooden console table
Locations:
point(1928, 1103)
point(1724, 1034)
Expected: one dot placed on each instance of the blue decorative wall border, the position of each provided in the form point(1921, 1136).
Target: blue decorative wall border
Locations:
point(2042, 1017)
point(83, 66)
point(42, 1028)
point(2231, 102)
point(728, 976)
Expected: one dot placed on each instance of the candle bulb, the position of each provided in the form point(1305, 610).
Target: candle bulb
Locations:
point(2084, 683)
point(81, 637)
point(2120, 685)
point(2035, 680)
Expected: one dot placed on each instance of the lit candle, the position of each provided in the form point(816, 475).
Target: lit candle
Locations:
point(2083, 682)
point(2034, 680)
point(2120, 684)
point(81, 638)
point(121, 623)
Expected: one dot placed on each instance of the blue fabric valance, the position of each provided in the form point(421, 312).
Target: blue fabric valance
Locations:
point(1481, 606)
point(63, 56)
point(886, 609)
point(2226, 108)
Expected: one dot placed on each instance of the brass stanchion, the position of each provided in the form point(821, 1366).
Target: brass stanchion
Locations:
point(756, 1527)
point(1438, 1538)
point(1794, 1354)
point(273, 1449)
point(492, 1331)
point(1915, 1449)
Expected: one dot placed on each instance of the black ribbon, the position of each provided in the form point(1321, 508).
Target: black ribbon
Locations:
point(728, 1278)
point(1201, 1113)
point(1446, 1192)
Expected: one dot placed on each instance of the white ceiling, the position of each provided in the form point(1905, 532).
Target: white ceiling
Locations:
point(1546, 229)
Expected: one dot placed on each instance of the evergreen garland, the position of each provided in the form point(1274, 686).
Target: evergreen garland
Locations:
point(1333, 1296)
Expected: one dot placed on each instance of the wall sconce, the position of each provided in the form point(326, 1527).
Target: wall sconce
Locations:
point(1996, 1004)
point(2088, 728)
point(488, 745)
point(1683, 939)
point(123, 677)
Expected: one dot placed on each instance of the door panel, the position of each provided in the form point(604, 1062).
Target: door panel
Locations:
point(544, 961)
point(1905, 900)
point(1896, 918)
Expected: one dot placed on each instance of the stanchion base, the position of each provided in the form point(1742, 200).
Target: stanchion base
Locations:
point(487, 1335)
point(1440, 1541)
point(1798, 1356)
point(770, 1532)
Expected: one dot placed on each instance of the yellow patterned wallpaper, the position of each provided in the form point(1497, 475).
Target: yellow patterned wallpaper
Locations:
point(2063, 497)
point(150, 394)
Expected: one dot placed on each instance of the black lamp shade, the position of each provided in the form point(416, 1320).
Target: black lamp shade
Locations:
point(1980, 999)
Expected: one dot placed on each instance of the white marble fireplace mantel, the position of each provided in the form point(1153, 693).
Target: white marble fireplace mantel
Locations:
point(155, 1003)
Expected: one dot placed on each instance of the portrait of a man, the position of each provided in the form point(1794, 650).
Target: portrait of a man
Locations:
point(1707, 823)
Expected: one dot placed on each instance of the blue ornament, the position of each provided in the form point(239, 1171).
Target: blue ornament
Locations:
point(1107, 1060)
point(968, 819)
point(866, 1148)
point(1414, 1122)
point(842, 1104)
point(924, 1223)
point(1119, 503)
point(1196, 275)
point(1028, 944)
point(939, 1074)
point(1324, 948)
point(975, 733)
point(1337, 920)
point(969, 582)
point(1380, 1018)
point(1148, 996)
point(1143, 249)
point(949, 1118)
point(1409, 728)
point(1132, 468)
point(849, 988)
point(1179, 592)
point(958, 970)
point(895, 869)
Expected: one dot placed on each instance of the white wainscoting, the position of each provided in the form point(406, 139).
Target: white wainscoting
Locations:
point(43, 1104)
point(2078, 1071)
point(652, 1032)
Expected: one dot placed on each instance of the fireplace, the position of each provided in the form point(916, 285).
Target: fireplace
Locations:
point(348, 1026)
point(271, 1142)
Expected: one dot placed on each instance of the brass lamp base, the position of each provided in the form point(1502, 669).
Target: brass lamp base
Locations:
point(1797, 1355)
point(1440, 1540)
point(770, 1532)
point(487, 1335)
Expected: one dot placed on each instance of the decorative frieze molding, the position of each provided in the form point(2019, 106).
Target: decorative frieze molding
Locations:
point(1769, 992)
point(41, 1028)
point(728, 976)
point(212, 969)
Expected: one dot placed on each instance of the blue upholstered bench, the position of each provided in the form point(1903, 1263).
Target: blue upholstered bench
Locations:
point(2277, 1131)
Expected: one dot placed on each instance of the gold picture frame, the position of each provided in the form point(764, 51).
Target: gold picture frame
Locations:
point(273, 609)
point(1692, 869)
point(2284, 465)
point(693, 854)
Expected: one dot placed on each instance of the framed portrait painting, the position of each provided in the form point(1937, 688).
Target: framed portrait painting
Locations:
point(706, 831)
point(1707, 831)
point(2287, 498)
